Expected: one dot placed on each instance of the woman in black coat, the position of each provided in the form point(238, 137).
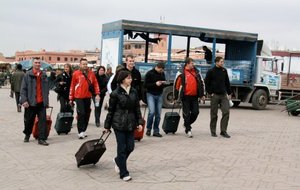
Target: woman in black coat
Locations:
point(62, 86)
point(124, 116)
point(102, 82)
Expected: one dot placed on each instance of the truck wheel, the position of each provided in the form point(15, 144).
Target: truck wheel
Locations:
point(259, 99)
point(168, 97)
point(236, 103)
point(295, 113)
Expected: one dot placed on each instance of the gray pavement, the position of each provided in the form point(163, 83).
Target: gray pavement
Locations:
point(263, 153)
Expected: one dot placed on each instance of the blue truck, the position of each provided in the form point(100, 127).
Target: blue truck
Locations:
point(253, 74)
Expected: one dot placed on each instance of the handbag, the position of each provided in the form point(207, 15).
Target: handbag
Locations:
point(91, 87)
point(58, 88)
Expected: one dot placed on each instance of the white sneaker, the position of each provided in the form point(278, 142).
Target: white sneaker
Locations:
point(190, 135)
point(127, 178)
point(117, 169)
point(81, 135)
point(85, 134)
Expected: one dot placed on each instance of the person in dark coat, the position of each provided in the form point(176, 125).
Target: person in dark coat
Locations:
point(102, 82)
point(136, 76)
point(155, 81)
point(63, 83)
point(124, 116)
point(35, 99)
point(16, 81)
point(218, 86)
point(208, 54)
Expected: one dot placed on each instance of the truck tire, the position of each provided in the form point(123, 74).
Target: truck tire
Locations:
point(259, 99)
point(295, 113)
point(168, 99)
point(236, 103)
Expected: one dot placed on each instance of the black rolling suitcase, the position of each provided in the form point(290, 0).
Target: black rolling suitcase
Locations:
point(91, 151)
point(64, 122)
point(171, 121)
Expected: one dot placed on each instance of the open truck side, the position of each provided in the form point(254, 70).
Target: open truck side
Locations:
point(250, 81)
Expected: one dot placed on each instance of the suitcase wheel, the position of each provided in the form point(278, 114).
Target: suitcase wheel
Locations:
point(173, 132)
point(166, 132)
point(139, 139)
point(67, 133)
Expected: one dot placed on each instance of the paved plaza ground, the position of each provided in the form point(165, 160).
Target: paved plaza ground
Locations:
point(263, 153)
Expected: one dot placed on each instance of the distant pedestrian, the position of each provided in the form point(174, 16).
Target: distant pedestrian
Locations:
point(155, 81)
point(189, 86)
point(62, 84)
point(35, 99)
point(102, 82)
point(124, 116)
point(84, 84)
point(218, 86)
point(16, 82)
point(109, 72)
point(208, 55)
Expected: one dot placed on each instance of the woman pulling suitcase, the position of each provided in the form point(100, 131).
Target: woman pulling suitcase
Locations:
point(124, 116)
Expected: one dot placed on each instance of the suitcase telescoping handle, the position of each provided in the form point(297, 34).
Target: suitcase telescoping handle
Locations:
point(51, 109)
point(103, 140)
point(173, 106)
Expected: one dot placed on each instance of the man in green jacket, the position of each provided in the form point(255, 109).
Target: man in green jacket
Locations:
point(16, 81)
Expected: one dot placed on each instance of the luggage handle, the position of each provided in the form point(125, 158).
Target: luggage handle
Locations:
point(174, 107)
point(51, 108)
point(101, 141)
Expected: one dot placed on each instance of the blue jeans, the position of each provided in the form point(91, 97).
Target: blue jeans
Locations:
point(154, 105)
point(125, 145)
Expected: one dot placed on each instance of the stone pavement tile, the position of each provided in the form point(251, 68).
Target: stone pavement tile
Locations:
point(263, 153)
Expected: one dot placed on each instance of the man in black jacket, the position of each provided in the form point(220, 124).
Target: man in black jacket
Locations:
point(218, 86)
point(135, 74)
point(154, 83)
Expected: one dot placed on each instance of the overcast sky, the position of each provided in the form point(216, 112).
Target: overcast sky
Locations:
point(61, 25)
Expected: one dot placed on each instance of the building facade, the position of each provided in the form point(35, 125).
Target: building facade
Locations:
point(51, 57)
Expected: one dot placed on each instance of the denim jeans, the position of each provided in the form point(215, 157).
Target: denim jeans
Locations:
point(125, 145)
point(154, 105)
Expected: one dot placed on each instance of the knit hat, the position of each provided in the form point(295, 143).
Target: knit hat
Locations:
point(122, 75)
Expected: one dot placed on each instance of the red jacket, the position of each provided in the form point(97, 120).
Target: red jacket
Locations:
point(80, 87)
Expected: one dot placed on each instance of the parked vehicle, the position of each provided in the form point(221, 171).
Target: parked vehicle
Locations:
point(253, 73)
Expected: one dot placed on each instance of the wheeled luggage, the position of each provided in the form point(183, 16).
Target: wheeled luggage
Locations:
point(91, 151)
point(63, 122)
point(138, 135)
point(35, 129)
point(171, 121)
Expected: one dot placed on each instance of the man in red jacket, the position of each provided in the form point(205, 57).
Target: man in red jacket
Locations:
point(189, 86)
point(84, 84)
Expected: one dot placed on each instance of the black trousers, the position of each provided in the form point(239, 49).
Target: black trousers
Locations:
point(190, 111)
point(29, 116)
point(64, 104)
point(17, 96)
point(83, 107)
point(98, 109)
